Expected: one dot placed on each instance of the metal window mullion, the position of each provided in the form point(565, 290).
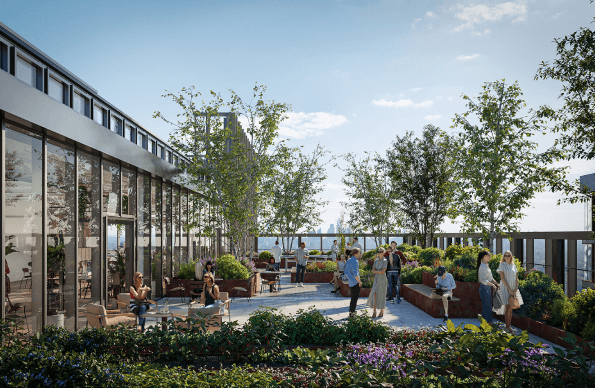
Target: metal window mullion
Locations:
point(44, 232)
point(119, 210)
point(2, 208)
point(76, 239)
point(101, 236)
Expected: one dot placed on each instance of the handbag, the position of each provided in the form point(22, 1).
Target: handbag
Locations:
point(515, 302)
point(497, 301)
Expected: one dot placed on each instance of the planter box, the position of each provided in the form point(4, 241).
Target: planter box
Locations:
point(314, 277)
point(469, 305)
point(346, 290)
point(229, 284)
point(543, 330)
point(188, 284)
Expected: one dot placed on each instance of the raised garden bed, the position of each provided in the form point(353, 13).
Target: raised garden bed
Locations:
point(346, 290)
point(229, 284)
point(314, 277)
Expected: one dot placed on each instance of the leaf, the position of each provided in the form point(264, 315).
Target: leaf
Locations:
point(472, 327)
point(451, 326)
point(559, 352)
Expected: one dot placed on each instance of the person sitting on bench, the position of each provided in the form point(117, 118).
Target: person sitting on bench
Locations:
point(445, 283)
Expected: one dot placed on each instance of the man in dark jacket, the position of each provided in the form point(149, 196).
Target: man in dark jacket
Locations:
point(393, 272)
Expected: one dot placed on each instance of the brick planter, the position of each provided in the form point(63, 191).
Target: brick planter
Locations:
point(229, 284)
point(314, 277)
point(188, 284)
point(346, 291)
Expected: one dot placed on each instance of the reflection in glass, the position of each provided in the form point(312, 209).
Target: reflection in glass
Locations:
point(61, 250)
point(156, 233)
point(167, 193)
point(111, 188)
point(144, 229)
point(89, 249)
point(23, 221)
point(183, 227)
point(128, 192)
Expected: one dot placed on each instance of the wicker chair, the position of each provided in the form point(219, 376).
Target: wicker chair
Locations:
point(98, 316)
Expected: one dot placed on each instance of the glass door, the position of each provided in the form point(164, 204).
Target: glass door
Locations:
point(119, 260)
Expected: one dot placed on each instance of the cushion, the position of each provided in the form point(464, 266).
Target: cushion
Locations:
point(112, 321)
point(95, 309)
point(194, 311)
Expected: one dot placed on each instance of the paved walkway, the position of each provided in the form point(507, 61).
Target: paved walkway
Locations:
point(291, 299)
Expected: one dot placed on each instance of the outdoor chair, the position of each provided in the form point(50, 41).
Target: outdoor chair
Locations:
point(98, 316)
point(26, 277)
point(236, 290)
point(268, 283)
point(12, 308)
point(123, 301)
point(179, 288)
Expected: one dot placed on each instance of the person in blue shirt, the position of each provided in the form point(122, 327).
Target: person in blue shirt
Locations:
point(446, 282)
point(352, 273)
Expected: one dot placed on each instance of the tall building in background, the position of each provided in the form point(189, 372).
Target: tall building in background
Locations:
point(319, 231)
point(331, 229)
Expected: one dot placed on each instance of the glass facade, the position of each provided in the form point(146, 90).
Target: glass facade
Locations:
point(176, 231)
point(111, 188)
point(156, 241)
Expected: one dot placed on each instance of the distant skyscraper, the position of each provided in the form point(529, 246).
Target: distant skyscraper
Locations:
point(319, 231)
point(331, 230)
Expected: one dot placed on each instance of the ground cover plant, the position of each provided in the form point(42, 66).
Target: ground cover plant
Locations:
point(277, 350)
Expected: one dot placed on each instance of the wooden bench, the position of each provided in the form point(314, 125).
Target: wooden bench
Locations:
point(419, 296)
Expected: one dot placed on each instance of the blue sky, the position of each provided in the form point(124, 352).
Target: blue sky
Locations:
point(357, 73)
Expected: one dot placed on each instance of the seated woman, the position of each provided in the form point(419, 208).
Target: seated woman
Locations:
point(271, 266)
point(139, 304)
point(340, 270)
point(210, 293)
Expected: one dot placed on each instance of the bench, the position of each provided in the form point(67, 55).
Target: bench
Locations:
point(419, 296)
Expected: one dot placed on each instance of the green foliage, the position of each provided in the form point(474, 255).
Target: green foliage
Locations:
point(57, 258)
point(415, 275)
point(230, 268)
point(314, 252)
point(266, 255)
point(453, 251)
point(467, 258)
point(563, 313)
point(539, 293)
point(367, 278)
point(411, 256)
point(427, 256)
point(186, 270)
point(9, 247)
point(369, 255)
point(409, 248)
point(584, 317)
point(325, 266)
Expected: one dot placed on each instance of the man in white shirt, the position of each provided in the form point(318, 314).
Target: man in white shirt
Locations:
point(334, 250)
point(276, 251)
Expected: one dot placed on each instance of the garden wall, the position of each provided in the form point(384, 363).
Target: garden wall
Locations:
point(346, 290)
point(229, 284)
point(314, 277)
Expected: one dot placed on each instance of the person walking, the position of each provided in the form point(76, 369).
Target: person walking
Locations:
point(353, 279)
point(335, 250)
point(301, 256)
point(487, 283)
point(446, 283)
point(276, 252)
point(377, 298)
point(509, 283)
point(393, 273)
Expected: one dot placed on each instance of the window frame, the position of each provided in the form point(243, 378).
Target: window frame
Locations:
point(103, 113)
point(85, 95)
point(128, 128)
point(8, 46)
point(65, 86)
point(39, 84)
point(117, 117)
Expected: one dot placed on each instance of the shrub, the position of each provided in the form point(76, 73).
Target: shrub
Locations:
point(186, 271)
point(414, 275)
point(409, 248)
point(429, 255)
point(314, 252)
point(367, 278)
point(453, 251)
point(539, 292)
point(467, 257)
point(411, 256)
point(266, 255)
point(326, 266)
point(563, 313)
point(369, 255)
point(584, 304)
point(230, 268)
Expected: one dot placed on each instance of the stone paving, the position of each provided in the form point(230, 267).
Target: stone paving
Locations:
point(291, 299)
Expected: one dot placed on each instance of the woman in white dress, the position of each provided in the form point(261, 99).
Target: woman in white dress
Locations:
point(509, 284)
point(377, 298)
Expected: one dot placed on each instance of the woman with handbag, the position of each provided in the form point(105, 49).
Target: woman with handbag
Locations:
point(487, 283)
point(510, 285)
point(377, 298)
point(139, 304)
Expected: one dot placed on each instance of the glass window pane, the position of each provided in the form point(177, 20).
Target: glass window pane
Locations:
point(89, 249)
point(144, 228)
point(78, 103)
point(3, 57)
point(167, 229)
point(116, 125)
point(56, 89)
point(183, 227)
point(23, 179)
point(26, 72)
point(128, 192)
point(139, 139)
point(130, 134)
point(98, 114)
point(61, 251)
point(156, 233)
point(176, 232)
point(111, 188)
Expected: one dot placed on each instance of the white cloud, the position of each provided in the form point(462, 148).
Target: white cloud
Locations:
point(558, 15)
point(449, 98)
point(432, 117)
point(299, 125)
point(415, 21)
point(488, 31)
point(480, 13)
point(414, 89)
point(401, 103)
point(477, 33)
point(467, 57)
point(430, 14)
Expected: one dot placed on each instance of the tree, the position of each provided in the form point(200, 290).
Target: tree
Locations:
point(371, 204)
point(499, 168)
point(228, 165)
point(421, 172)
point(294, 203)
point(575, 67)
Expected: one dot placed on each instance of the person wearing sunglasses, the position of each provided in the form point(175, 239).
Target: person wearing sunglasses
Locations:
point(509, 283)
point(139, 304)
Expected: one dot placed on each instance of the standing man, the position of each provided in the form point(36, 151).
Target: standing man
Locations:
point(352, 273)
point(301, 256)
point(276, 251)
point(393, 272)
point(357, 245)
point(334, 250)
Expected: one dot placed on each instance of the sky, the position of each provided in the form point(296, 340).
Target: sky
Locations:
point(356, 73)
